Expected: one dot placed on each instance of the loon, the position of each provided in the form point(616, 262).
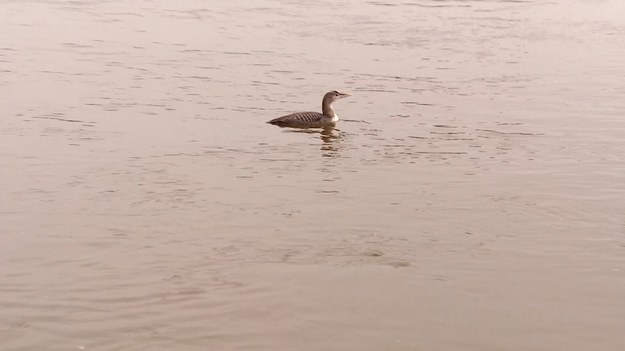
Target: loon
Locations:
point(313, 119)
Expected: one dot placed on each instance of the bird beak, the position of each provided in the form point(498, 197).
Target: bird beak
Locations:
point(343, 95)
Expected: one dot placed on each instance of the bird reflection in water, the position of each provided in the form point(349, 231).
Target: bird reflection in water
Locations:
point(330, 138)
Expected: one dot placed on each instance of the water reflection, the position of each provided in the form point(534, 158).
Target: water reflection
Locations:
point(330, 135)
point(330, 138)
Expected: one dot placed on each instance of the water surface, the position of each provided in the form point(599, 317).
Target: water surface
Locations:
point(471, 198)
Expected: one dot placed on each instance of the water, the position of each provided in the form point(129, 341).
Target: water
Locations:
point(471, 198)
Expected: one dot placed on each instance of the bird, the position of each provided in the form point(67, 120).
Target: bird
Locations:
point(326, 119)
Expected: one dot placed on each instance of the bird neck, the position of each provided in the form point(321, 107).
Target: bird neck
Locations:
point(327, 110)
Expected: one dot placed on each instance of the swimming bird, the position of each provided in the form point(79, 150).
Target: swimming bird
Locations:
point(313, 119)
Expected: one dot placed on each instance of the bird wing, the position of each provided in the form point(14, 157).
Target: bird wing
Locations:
point(299, 117)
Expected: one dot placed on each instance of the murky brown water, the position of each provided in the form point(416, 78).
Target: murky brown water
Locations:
point(472, 198)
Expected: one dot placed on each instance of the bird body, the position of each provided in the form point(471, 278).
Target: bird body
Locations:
point(313, 119)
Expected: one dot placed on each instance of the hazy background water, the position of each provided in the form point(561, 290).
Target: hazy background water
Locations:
point(472, 198)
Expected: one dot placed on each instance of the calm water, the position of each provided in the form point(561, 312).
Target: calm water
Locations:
point(472, 197)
